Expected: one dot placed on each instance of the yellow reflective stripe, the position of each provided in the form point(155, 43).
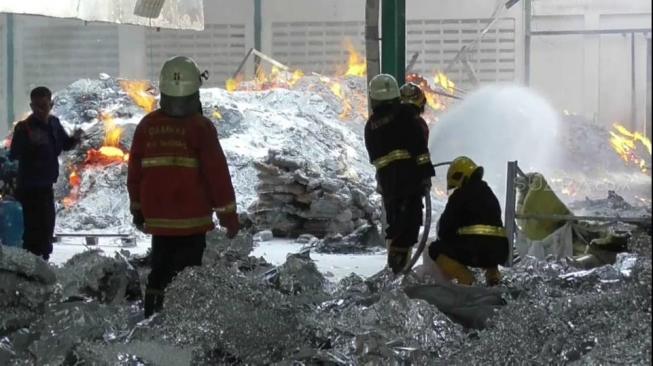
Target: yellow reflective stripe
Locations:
point(135, 206)
point(392, 156)
point(482, 230)
point(423, 159)
point(179, 223)
point(226, 209)
point(170, 161)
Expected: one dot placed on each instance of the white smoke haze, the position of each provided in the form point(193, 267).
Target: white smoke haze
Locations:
point(497, 124)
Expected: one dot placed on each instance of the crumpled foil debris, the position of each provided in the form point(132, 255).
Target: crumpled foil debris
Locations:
point(224, 313)
point(91, 275)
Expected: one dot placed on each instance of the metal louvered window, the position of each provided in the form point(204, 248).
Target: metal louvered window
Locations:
point(61, 53)
point(218, 49)
point(438, 42)
point(316, 46)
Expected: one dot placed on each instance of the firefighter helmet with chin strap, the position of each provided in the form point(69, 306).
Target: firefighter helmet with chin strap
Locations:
point(180, 77)
point(411, 93)
point(461, 168)
point(384, 87)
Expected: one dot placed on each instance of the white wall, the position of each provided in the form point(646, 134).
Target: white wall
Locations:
point(583, 74)
point(591, 74)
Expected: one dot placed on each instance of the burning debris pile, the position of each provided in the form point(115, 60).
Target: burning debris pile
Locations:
point(250, 124)
point(243, 312)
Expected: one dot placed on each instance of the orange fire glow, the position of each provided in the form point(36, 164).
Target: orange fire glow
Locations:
point(629, 146)
point(110, 153)
point(356, 64)
point(75, 181)
point(354, 102)
point(433, 100)
point(141, 93)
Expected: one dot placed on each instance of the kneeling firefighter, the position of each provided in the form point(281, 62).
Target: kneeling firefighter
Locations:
point(395, 142)
point(470, 230)
point(178, 177)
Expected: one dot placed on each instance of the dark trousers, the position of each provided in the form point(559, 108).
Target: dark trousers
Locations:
point(38, 218)
point(404, 217)
point(170, 255)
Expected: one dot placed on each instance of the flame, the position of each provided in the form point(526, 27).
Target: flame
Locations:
point(440, 193)
point(443, 81)
point(433, 100)
point(356, 64)
point(112, 132)
point(277, 78)
point(75, 181)
point(625, 143)
point(141, 93)
point(232, 84)
point(296, 76)
point(109, 153)
point(336, 89)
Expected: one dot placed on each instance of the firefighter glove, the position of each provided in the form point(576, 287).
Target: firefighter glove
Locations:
point(138, 220)
point(230, 222)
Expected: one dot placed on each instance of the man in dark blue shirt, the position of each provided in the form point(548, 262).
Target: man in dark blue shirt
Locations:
point(37, 143)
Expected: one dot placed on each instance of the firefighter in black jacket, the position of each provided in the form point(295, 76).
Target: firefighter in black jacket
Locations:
point(470, 230)
point(397, 148)
point(413, 96)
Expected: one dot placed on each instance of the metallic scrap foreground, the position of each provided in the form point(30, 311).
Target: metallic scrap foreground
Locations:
point(237, 309)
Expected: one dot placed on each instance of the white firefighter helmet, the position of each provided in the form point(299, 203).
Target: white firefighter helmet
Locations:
point(383, 87)
point(180, 77)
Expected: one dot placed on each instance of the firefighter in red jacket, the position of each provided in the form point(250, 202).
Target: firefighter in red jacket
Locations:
point(178, 177)
point(396, 144)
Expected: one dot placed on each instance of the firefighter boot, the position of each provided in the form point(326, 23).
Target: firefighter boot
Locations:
point(153, 302)
point(492, 276)
point(455, 270)
point(398, 258)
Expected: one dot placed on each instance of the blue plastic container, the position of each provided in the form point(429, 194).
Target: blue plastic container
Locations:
point(11, 223)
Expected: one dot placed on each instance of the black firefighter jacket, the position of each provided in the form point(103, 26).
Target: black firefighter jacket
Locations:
point(397, 146)
point(472, 204)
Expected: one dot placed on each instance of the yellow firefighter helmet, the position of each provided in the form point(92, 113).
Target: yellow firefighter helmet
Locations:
point(461, 168)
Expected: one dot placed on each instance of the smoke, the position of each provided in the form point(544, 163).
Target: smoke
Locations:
point(497, 124)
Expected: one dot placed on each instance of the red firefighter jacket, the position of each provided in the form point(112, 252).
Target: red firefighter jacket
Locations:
point(178, 175)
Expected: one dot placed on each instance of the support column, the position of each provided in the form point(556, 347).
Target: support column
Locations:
point(648, 88)
point(372, 57)
point(633, 93)
point(258, 26)
point(528, 13)
point(393, 43)
point(9, 86)
point(591, 66)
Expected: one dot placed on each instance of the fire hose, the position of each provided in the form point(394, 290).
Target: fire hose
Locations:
point(427, 225)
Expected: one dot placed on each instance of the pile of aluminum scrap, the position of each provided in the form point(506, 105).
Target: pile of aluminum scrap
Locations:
point(297, 196)
point(567, 316)
point(253, 126)
point(26, 285)
point(37, 325)
point(545, 311)
point(365, 238)
point(614, 205)
point(91, 275)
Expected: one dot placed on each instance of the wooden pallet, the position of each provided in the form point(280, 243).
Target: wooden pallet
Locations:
point(91, 239)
